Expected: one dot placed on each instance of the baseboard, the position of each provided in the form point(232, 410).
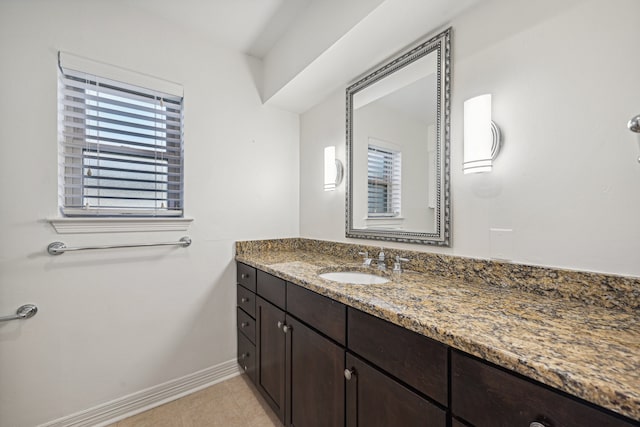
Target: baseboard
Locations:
point(115, 410)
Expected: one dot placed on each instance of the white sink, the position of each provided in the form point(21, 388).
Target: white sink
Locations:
point(354, 277)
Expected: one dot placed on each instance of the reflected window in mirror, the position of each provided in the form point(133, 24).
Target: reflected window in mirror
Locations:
point(384, 181)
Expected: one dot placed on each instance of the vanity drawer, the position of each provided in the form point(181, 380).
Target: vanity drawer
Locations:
point(483, 395)
point(247, 356)
point(271, 288)
point(246, 276)
point(322, 313)
point(246, 300)
point(246, 325)
point(412, 358)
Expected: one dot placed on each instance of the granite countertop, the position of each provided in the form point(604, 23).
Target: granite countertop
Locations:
point(588, 351)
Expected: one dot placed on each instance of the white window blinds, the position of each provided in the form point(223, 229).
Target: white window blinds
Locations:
point(384, 181)
point(121, 148)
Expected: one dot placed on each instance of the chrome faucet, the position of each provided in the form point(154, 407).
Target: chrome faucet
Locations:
point(397, 266)
point(381, 262)
point(366, 262)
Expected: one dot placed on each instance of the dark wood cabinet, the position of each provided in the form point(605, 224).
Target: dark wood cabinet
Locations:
point(246, 300)
point(247, 356)
point(484, 395)
point(327, 316)
point(271, 351)
point(418, 361)
point(271, 288)
point(299, 347)
point(245, 320)
point(299, 371)
point(246, 325)
point(376, 400)
point(246, 276)
point(458, 423)
point(316, 388)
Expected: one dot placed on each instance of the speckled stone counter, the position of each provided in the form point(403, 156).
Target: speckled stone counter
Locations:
point(586, 345)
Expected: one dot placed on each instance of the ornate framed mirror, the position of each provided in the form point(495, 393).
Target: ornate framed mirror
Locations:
point(398, 120)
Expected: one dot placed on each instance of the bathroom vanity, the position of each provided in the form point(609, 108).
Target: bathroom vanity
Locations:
point(426, 350)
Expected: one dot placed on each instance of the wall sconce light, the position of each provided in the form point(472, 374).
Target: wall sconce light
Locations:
point(482, 137)
point(333, 169)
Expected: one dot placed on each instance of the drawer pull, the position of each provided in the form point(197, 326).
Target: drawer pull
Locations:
point(286, 328)
point(279, 324)
point(244, 299)
point(349, 373)
point(244, 356)
point(244, 324)
point(244, 276)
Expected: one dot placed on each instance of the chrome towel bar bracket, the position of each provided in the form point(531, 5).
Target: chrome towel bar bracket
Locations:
point(58, 248)
point(634, 124)
point(24, 312)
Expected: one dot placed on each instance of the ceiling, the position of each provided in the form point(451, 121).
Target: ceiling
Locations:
point(248, 26)
point(308, 48)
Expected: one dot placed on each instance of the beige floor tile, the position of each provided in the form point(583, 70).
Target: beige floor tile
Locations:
point(168, 415)
point(232, 403)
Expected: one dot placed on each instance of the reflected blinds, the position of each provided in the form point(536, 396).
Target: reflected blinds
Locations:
point(384, 179)
point(121, 148)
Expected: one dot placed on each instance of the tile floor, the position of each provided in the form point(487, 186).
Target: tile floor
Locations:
point(232, 403)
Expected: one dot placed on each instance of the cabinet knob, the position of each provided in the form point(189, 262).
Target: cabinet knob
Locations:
point(536, 424)
point(286, 328)
point(244, 299)
point(279, 324)
point(348, 374)
point(244, 324)
point(244, 276)
point(244, 356)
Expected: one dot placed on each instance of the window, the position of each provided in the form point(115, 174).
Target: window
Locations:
point(384, 176)
point(121, 148)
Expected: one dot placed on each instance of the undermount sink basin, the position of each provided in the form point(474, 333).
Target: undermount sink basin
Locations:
point(355, 277)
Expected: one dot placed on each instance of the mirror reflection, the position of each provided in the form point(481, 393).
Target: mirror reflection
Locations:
point(397, 185)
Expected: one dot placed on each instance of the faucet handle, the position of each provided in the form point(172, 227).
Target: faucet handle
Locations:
point(367, 261)
point(397, 266)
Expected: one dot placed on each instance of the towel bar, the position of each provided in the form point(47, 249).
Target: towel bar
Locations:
point(58, 248)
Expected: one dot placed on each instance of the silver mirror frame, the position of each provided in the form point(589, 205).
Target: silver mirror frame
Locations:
point(441, 44)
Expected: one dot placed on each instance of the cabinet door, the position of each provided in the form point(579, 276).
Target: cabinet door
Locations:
point(485, 396)
point(317, 378)
point(376, 400)
point(271, 351)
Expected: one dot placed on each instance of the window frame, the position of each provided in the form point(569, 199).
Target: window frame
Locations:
point(174, 183)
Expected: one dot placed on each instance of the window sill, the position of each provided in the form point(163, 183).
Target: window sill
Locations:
point(118, 225)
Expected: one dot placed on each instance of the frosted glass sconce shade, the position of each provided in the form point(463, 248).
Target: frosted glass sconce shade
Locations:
point(333, 170)
point(481, 135)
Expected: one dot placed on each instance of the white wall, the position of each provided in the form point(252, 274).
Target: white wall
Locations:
point(115, 322)
point(564, 80)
